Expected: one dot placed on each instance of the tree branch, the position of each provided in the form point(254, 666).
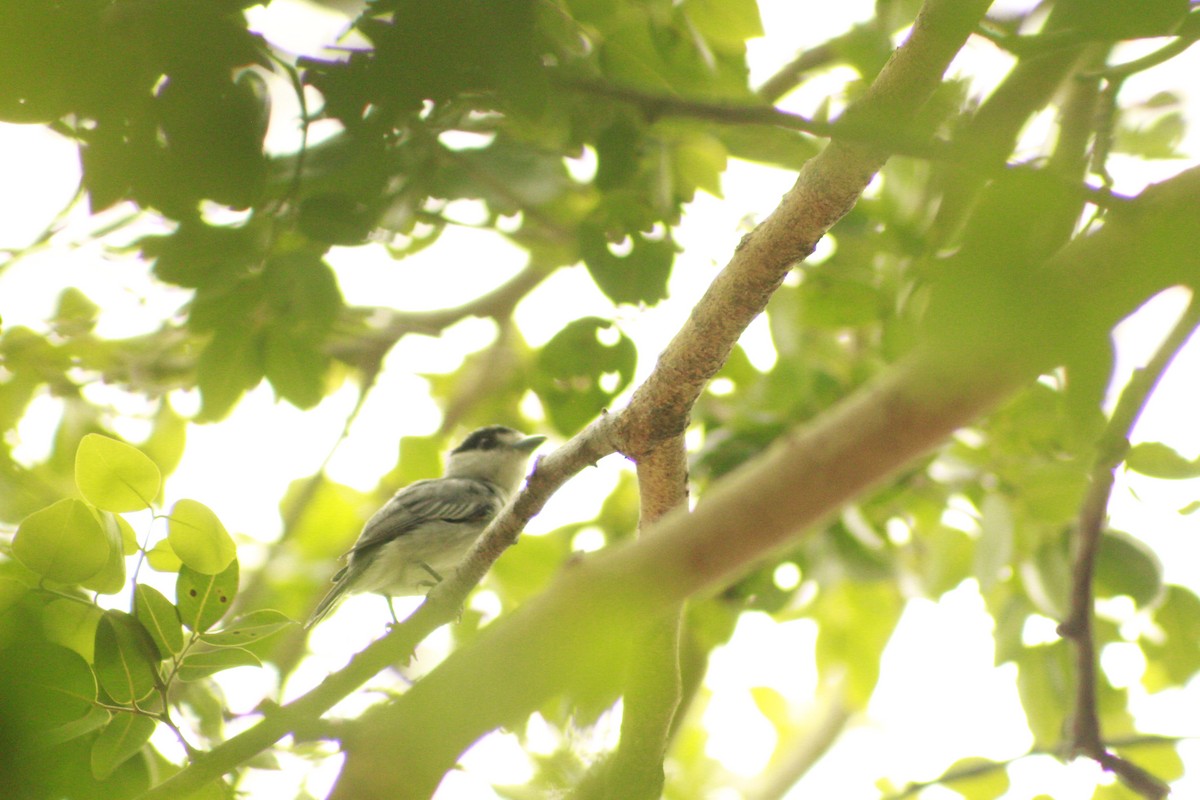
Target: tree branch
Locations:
point(827, 187)
point(1077, 627)
point(653, 687)
point(582, 628)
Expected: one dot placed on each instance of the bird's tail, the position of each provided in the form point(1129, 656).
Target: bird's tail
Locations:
point(342, 581)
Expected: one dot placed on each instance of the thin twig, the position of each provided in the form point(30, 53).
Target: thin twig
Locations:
point(1087, 739)
point(878, 133)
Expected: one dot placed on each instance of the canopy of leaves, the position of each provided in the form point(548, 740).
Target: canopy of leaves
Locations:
point(426, 108)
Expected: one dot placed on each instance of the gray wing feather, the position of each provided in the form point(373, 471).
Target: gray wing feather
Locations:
point(445, 499)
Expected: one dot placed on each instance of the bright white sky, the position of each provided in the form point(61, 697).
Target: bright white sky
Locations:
point(936, 703)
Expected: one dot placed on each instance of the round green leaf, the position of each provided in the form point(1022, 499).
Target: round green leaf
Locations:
point(1125, 565)
point(46, 687)
point(115, 476)
point(62, 542)
point(72, 624)
point(199, 538)
point(203, 599)
point(162, 558)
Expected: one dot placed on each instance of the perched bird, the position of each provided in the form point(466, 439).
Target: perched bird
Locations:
point(427, 527)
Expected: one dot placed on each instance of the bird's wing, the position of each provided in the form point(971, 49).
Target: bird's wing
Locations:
point(441, 499)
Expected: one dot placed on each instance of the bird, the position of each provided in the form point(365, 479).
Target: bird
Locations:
point(427, 527)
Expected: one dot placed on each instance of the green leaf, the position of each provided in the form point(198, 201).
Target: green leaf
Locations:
point(167, 438)
point(46, 687)
point(120, 740)
point(994, 550)
point(160, 619)
point(126, 658)
point(72, 623)
point(230, 365)
point(1046, 579)
point(200, 665)
point(635, 273)
point(856, 621)
point(700, 160)
point(248, 629)
point(1044, 681)
point(198, 537)
point(1127, 566)
point(1157, 460)
point(110, 578)
point(578, 375)
point(1174, 660)
point(162, 558)
point(725, 24)
point(62, 542)
point(981, 779)
point(295, 368)
point(203, 599)
point(95, 718)
point(115, 476)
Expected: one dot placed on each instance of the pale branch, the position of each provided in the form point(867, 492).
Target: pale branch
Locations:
point(1113, 446)
point(827, 187)
point(653, 686)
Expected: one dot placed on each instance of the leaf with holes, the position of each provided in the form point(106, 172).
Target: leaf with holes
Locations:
point(248, 629)
point(581, 370)
point(203, 599)
point(115, 476)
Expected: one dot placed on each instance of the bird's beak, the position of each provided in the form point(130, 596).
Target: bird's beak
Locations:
point(529, 443)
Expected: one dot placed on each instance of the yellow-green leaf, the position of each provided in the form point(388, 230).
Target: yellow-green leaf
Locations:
point(199, 538)
point(62, 542)
point(115, 476)
point(72, 624)
point(248, 629)
point(162, 558)
point(110, 578)
point(203, 599)
point(160, 619)
point(200, 665)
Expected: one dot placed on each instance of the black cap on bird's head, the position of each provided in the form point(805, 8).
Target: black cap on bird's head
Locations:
point(495, 436)
point(496, 454)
